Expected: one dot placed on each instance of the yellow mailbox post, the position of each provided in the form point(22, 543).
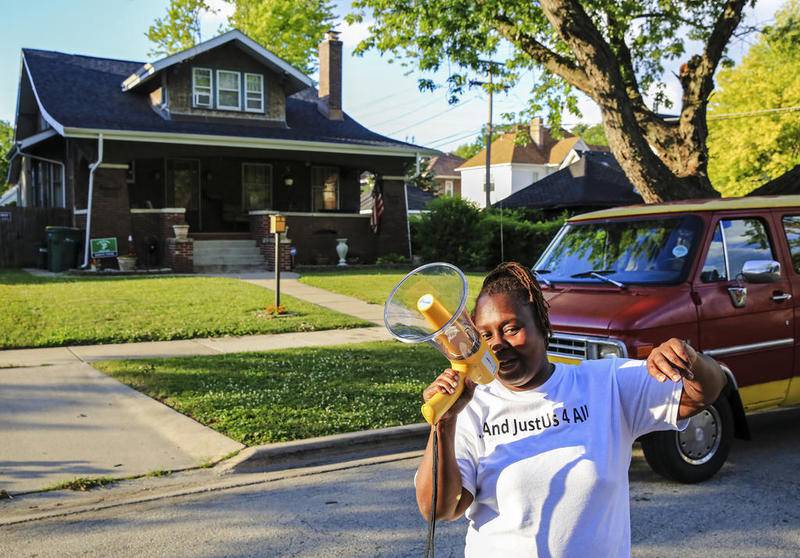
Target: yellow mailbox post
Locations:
point(277, 225)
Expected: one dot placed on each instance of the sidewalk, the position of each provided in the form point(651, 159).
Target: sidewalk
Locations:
point(61, 419)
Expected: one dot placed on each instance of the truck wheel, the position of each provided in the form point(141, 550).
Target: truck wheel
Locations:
point(697, 453)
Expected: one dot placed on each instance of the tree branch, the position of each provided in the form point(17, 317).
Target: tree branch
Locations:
point(697, 75)
point(553, 61)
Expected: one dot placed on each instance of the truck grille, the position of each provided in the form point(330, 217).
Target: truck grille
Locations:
point(567, 346)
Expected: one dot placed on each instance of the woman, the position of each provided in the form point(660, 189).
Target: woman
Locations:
point(538, 460)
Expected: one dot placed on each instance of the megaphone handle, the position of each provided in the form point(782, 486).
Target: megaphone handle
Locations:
point(441, 402)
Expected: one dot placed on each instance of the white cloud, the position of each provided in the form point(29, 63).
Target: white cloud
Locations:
point(352, 34)
point(210, 22)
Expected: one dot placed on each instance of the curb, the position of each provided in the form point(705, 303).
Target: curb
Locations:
point(327, 449)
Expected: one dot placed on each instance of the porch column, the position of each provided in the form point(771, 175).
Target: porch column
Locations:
point(111, 216)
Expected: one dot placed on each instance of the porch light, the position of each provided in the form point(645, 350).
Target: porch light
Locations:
point(288, 179)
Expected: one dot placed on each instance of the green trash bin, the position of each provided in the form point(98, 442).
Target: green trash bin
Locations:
point(62, 248)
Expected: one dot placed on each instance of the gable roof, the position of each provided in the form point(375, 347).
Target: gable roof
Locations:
point(296, 80)
point(595, 180)
point(444, 165)
point(81, 97)
point(505, 150)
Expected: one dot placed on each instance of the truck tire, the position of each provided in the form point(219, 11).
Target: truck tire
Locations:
point(697, 453)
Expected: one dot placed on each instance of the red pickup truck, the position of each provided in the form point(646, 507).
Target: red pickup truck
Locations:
point(720, 274)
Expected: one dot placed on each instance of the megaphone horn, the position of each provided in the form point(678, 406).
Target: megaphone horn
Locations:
point(430, 305)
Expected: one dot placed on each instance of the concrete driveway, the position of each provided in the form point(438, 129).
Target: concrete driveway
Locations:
point(65, 420)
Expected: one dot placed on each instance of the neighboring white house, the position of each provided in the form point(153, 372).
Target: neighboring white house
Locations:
point(514, 167)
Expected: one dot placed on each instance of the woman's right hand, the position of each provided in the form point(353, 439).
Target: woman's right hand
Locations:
point(446, 383)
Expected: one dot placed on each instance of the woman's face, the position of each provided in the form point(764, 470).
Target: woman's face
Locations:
point(511, 332)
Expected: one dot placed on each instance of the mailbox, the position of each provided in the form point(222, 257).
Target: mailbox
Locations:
point(277, 224)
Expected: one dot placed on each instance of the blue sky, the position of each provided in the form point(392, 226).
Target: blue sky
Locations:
point(376, 93)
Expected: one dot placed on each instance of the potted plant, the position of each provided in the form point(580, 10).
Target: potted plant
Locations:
point(128, 263)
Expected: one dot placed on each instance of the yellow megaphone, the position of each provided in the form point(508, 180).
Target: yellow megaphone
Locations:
point(430, 305)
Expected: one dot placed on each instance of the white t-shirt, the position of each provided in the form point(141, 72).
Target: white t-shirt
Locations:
point(548, 467)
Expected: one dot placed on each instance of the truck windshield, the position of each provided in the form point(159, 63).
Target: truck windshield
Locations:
point(643, 251)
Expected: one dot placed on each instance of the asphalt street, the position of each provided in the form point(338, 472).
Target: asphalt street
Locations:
point(750, 509)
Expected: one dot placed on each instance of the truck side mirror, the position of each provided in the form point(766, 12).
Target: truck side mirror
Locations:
point(761, 271)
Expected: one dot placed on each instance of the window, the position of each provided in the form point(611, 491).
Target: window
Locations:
point(201, 87)
point(324, 188)
point(448, 187)
point(256, 186)
point(735, 242)
point(47, 185)
point(791, 227)
point(228, 90)
point(254, 92)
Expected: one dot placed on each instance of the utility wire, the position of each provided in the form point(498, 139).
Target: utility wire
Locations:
point(408, 113)
point(458, 106)
point(734, 115)
point(450, 138)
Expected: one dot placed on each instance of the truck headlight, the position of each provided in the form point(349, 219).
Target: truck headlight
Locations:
point(603, 349)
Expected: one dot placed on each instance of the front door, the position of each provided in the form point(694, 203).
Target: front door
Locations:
point(755, 340)
point(183, 189)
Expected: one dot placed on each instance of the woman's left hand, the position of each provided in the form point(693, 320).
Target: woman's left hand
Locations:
point(672, 360)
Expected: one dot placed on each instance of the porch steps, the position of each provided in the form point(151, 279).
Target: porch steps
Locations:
point(215, 256)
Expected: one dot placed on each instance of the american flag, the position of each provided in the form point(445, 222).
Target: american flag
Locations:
point(377, 205)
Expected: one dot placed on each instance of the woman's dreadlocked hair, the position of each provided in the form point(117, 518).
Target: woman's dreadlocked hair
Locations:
point(514, 279)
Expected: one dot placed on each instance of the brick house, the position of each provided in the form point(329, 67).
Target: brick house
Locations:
point(514, 165)
point(593, 181)
point(219, 137)
point(442, 169)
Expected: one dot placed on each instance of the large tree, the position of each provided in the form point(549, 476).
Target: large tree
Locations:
point(179, 29)
point(292, 29)
point(752, 139)
point(6, 141)
point(614, 51)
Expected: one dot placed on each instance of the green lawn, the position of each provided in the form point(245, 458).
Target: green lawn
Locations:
point(372, 286)
point(43, 312)
point(257, 398)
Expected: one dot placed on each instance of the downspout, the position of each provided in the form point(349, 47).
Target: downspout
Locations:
point(92, 168)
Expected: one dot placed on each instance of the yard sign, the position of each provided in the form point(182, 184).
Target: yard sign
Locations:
point(104, 247)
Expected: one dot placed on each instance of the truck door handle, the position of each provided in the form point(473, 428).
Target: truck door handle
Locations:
point(779, 296)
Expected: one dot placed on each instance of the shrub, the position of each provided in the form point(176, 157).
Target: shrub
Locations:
point(458, 232)
point(452, 231)
point(523, 240)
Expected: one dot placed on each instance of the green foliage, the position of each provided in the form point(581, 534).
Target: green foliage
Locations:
point(6, 142)
point(42, 312)
point(83, 484)
point(391, 258)
point(258, 398)
point(460, 35)
point(592, 134)
point(457, 231)
point(523, 241)
point(179, 29)
point(746, 152)
point(453, 231)
point(292, 29)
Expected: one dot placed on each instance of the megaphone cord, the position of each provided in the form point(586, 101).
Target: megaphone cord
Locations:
point(429, 547)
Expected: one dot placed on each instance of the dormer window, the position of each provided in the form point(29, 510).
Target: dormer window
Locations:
point(201, 87)
point(229, 90)
point(254, 93)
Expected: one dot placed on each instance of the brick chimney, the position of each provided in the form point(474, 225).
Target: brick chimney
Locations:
point(537, 130)
point(330, 76)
